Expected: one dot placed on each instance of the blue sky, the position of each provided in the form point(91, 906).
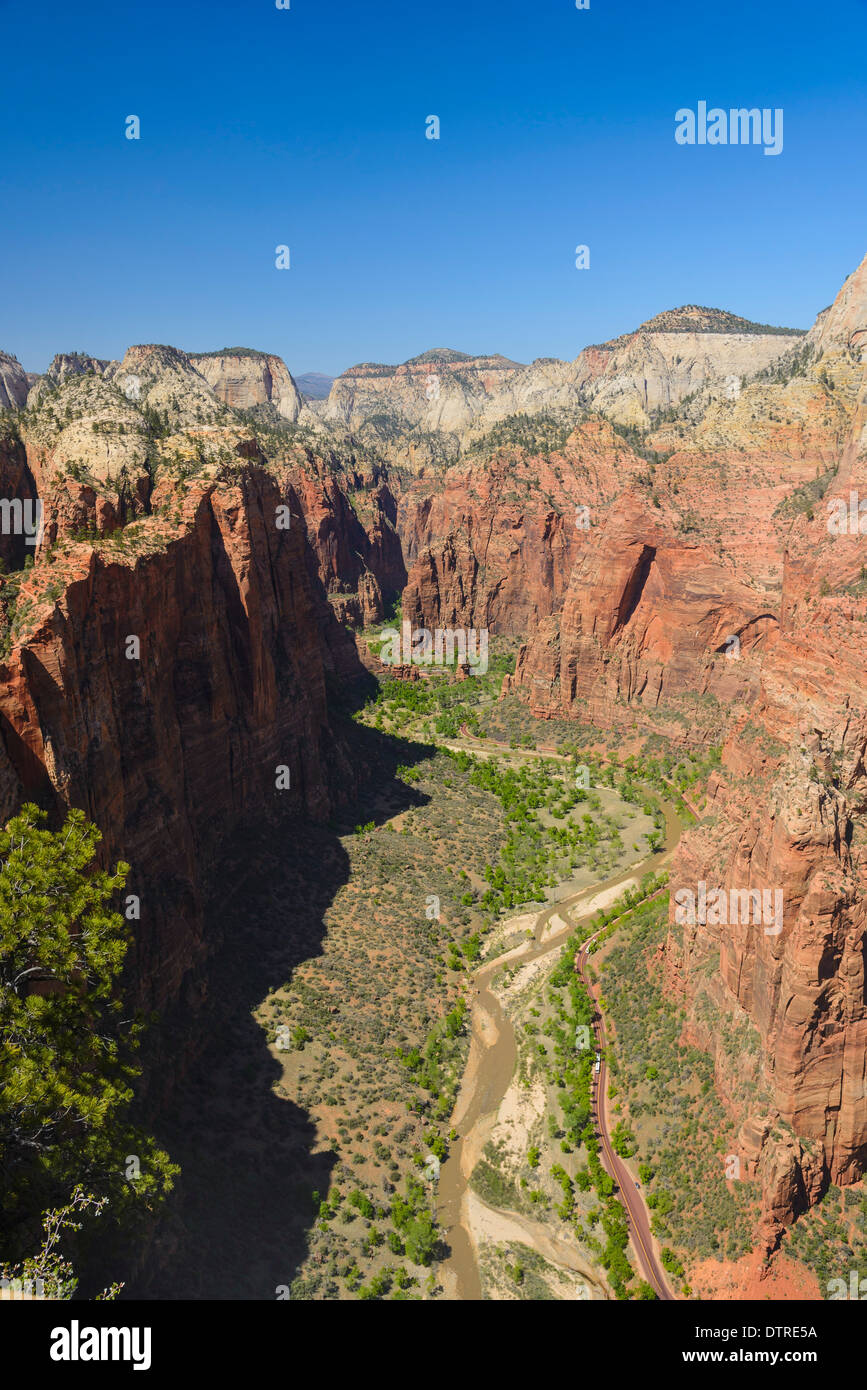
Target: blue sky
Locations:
point(306, 127)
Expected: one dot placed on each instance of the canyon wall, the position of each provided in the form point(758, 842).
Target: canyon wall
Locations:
point(495, 544)
point(680, 579)
point(654, 628)
point(427, 411)
point(14, 384)
point(170, 647)
point(786, 813)
point(169, 750)
point(245, 379)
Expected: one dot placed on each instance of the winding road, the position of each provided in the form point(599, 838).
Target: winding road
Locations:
point(489, 1071)
point(629, 1193)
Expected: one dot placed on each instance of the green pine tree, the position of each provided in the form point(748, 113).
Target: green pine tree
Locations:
point(66, 1044)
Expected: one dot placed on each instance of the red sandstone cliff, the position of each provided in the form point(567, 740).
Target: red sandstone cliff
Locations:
point(787, 812)
point(495, 545)
point(166, 752)
point(165, 522)
point(649, 618)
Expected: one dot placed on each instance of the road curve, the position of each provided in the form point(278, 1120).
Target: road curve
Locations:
point(630, 1197)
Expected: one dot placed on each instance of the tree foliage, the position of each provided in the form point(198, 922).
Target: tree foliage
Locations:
point(66, 1049)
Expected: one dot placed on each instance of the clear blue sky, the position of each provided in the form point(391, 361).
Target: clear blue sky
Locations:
point(307, 127)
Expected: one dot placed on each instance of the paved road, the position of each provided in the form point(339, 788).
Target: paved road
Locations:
point(631, 1197)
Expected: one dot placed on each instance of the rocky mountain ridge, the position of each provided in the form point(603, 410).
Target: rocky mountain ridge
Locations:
point(430, 408)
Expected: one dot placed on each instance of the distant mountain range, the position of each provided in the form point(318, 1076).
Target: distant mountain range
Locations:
point(314, 385)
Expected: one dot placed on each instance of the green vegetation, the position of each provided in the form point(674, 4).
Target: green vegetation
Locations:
point(676, 1123)
point(48, 1273)
point(66, 1047)
point(436, 704)
point(634, 437)
point(572, 1070)
point(537, 855)
point(544, 433)
point(436, 1065)
point(831, 1238)
point(793, 363)
point(803, 499)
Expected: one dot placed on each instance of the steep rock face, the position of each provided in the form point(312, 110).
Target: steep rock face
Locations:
point(17, 488)
point(165, 753)
point(844, 323)
point(648, 617)
point(420, 412)
point(494, 545)
point(431, 407)
point(239, 619)
point(671, 356)
point(439, 390)
point(236, 616)
point(655, 368)
point(14, 383)
point(65, 364)
point(96, 442)
point(164, 380)
point(729, 478)
point(96, 434)
point(246, 379)
point(731, 483)
point(489, 544)
point(354, 543)
point(787, 815)
point(87, 448)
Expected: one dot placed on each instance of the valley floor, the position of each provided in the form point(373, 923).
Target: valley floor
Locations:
point(382, 1115)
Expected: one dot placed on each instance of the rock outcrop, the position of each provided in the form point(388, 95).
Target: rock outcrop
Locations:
point(14, 383)
point(162, 682)
point(244, 379)
point(432, 407)
point(166, 659)
point(439, 389)
point(494, 544)
point(350, 517)
point(787, 816)
point(651, 621)
point(673, 355)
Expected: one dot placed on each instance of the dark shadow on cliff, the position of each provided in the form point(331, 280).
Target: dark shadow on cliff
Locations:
point(239, 1222)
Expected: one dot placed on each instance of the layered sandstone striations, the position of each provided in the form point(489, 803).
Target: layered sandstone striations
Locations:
point(652, 622)
point(244, 379)
point(227, 558)
point(492, 539)
point(725, 480)
point(673, 355)
point(494, 544)
point(350, 515)
point(96, 439)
